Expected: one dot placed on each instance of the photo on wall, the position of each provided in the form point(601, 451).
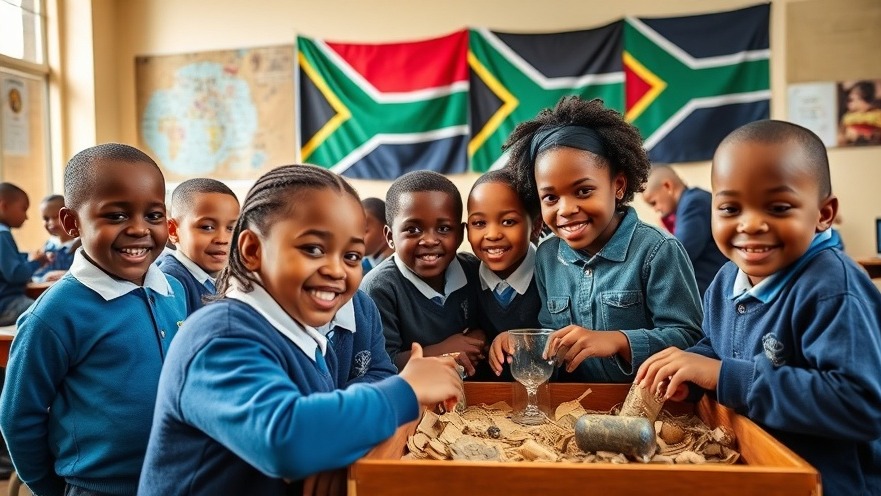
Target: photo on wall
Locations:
point(843, 114)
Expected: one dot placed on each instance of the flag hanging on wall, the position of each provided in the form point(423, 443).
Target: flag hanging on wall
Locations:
point(377, 111)
point(692, 80)
point(514, 76)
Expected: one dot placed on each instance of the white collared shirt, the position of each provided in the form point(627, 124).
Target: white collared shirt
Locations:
point(304, 337)
point(742, 286)
point(110, 288)
point(519, 279)
point(191, 266)
point(344, 318)
point(454, 278)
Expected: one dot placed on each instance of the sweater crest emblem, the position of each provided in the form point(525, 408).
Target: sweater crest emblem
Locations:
point(773, 349)
point(362, 362)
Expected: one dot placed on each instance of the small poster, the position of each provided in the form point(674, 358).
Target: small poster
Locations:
point(15, 117)
point(815, 106)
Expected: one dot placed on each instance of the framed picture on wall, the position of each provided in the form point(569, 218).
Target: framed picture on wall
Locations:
point(859, 112)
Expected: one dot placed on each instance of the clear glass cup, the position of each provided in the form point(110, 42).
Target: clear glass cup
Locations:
point(530, 368)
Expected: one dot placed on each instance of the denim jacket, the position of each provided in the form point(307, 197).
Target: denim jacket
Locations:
point(641, 282)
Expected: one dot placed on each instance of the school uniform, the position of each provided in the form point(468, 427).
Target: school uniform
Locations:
point(15, 272)
point(250, 397)
point(196, 282)
point(82, 377)
point(801, 355)
point(413, 312)
point(640, 283)
point(62, 259)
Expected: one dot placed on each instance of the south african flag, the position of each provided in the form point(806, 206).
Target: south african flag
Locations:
point(379, 110)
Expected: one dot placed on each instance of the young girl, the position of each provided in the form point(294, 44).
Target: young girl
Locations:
point(250, 398)
point(617, 289)
point(500, 230)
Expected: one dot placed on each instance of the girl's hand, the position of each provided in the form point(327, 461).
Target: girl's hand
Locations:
point(433, 379)
point(678, 367)
point(573, 344)
point(500, 352)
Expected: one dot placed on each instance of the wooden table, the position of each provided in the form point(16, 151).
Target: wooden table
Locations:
point(6, 335)
point(872, 266)
point(35, 289)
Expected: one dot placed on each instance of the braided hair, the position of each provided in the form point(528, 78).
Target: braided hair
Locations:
point(622, 143)
point(274, 196)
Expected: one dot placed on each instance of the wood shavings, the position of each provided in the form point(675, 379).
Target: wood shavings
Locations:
point(471, 435)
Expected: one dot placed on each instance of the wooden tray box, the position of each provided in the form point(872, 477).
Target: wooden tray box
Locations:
point(766, 467)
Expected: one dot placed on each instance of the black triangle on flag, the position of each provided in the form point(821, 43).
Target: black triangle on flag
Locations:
point(315, 110)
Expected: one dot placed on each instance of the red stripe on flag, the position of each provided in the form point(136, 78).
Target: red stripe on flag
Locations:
point(635, 87)
point(402, 67)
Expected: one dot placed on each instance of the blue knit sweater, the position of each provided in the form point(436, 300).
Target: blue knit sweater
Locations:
point(78, 401)
point(194, 290)
point(15, 269)
point(240, 407)
point(806, 365)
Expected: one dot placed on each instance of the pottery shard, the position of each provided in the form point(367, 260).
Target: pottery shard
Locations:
point(573, 407)
point(474, 449)
point(428, 425)
point(671, 433)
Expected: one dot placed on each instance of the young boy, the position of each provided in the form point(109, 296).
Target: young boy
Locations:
point(427, 293)
point(16, 269)
point(377, 247)
point(84, 367)
point(793, 326)
point(60, 247)
point(499, 230)
point(203, 216)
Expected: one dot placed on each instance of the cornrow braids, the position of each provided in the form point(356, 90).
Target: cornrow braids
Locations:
point(273, 196)
point(623, 145)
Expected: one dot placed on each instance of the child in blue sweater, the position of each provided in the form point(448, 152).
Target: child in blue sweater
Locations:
point(16, 269)
point(203, 215)
point(78, 402)
point(618, 290)
point(59, 249)
point(500, 230)
point(793, 325)
point(266, 391)
point(427, 292)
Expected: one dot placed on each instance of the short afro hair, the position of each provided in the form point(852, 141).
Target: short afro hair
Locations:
point(416, 182)
point(10, 192)
point(623, 145)
point(778, 132)
point(182, 198)
point(375, 208)
point(79, 176)
point(53, 198)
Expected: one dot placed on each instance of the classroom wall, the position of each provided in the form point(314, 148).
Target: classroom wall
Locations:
point(156, 27)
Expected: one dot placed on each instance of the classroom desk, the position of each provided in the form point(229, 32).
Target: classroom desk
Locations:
point(6, 335)
point(35, 289)
point(872, 265)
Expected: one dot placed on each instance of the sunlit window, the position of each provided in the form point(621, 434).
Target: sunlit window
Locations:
point(21, 34)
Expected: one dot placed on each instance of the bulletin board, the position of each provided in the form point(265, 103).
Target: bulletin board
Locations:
point(833, 40)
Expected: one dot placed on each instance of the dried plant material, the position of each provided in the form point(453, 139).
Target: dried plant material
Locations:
point(470, 435)
point(642, 402)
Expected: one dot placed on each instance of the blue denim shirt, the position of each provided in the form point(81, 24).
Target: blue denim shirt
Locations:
point(641, 282)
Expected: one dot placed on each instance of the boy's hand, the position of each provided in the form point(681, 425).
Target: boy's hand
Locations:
point(573, 344)
point(329, 483)
point(470, 345)
point(500, 352)
point(678, 367)
point(39, 256)
point(432, 379)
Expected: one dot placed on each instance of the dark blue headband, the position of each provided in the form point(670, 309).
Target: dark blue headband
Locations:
point(583, 138)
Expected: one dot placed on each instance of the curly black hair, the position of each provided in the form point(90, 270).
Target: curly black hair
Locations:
point(622, 142)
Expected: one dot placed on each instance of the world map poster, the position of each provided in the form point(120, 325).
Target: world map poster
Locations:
point(228, 115)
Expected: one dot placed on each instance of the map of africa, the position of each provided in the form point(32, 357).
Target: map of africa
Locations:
point(227, 115)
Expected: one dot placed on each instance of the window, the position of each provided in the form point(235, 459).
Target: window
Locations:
point(24, 110)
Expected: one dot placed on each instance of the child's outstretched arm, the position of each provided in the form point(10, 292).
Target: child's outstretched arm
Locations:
point(676, 367)
point(13, 266)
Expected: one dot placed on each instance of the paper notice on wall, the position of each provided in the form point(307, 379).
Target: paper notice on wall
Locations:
point(15, 117)
point(815, 106)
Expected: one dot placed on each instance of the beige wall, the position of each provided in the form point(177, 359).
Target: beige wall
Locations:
point(126, 28)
